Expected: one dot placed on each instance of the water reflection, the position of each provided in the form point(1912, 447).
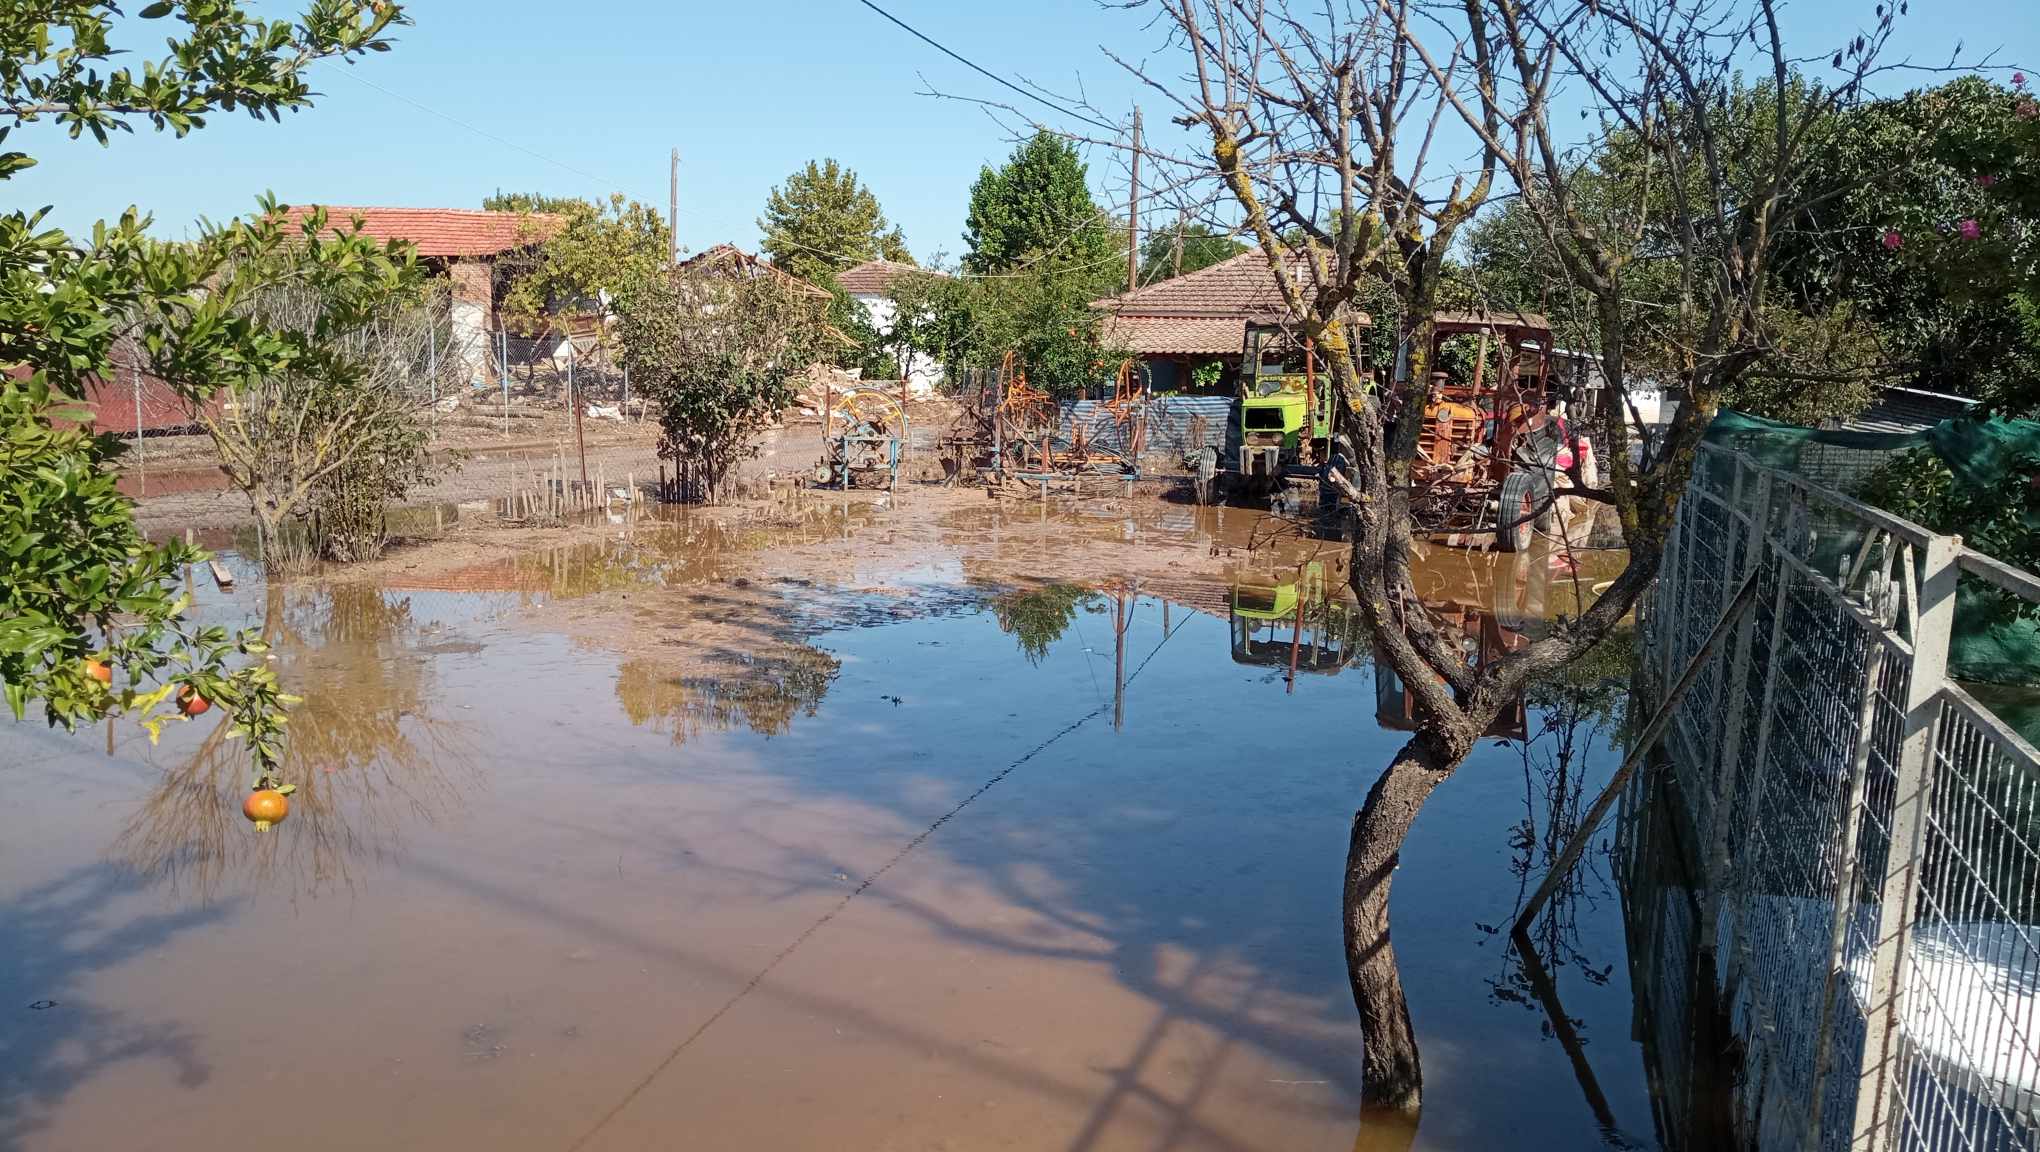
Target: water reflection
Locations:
point(1037, 617)
point(764, 691)
point(1299, 623)
point(365, 752)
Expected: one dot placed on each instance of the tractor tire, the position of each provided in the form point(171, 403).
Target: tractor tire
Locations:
point(1516, 512)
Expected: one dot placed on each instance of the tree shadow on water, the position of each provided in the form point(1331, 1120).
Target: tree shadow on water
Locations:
point(55, 1039)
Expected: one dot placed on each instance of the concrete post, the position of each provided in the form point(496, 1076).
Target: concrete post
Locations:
point(1881, 1081)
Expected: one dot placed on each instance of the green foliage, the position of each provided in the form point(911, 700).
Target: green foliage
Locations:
point(1201, 248)
point(1042, 316)
point(80, 581)
point(2001, 520)
point(1819, 349)
point(1037, 209)
point(52, 53)
point(1037, 617)
point(1943, 244)
point(318, 333)
point(865, 349)
point(600, 254)
point(535, 203)
point(716, 351)
point(917, 333)
point(823, 220)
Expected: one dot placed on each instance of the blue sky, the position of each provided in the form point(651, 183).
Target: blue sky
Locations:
point(587, 99)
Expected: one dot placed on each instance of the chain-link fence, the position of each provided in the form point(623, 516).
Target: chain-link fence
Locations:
point(1867, 835)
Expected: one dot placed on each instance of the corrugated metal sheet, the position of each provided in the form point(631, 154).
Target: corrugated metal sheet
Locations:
point(1176, 425)
point(1909, 410)
point(112, 403)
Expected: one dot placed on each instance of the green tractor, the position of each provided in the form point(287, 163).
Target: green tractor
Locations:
point(1285, 409)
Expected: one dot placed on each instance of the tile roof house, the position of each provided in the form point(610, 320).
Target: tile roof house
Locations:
point(440, 233)
point(867, 284)
point(874, 277)
point(467, 246)
point(1196, 317)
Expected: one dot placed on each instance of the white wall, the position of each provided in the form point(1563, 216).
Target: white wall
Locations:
point(927, 375)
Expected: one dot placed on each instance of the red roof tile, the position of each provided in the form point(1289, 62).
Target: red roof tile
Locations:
point(440, 232)
point(873, 277)
point(1176, 335)
point(1201, 313)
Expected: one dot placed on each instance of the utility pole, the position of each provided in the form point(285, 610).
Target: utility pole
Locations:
point(673, 206)
point(1176, 261)
point(1133, 213)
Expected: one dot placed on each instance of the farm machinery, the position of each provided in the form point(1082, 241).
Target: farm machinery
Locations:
point(1021, 434)
point(863, 433)
point(1286, 413)
point(1495, 445)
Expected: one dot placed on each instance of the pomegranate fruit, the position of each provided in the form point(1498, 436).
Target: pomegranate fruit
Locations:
point(265, 806)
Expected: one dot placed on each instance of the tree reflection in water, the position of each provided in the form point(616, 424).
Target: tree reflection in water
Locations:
point(1582, 709)
point(763, 691)
point(364, 751)
point(1037, 617)
point(1571, 715)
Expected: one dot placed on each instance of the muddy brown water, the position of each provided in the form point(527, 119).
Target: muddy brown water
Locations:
point(612, 847)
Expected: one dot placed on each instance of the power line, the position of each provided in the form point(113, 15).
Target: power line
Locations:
point(604, 181)
point(987, 74)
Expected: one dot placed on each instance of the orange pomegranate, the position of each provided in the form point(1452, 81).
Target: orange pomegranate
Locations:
point(191, 703)
point(98, 670)
point(265, 806)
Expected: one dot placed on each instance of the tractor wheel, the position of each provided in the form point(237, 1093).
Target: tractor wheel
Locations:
point(1516, 516)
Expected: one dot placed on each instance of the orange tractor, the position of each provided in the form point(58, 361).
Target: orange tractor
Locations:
point(1495, 446)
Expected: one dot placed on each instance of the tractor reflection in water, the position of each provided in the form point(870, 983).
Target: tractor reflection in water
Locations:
point(863, 431)
point(1298, 623)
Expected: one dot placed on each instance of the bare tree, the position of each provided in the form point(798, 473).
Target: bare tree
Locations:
point(1330, 124)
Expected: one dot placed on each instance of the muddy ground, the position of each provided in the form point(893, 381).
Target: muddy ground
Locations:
point(177, 483)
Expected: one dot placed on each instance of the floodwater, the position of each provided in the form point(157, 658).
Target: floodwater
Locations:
point(919, 863)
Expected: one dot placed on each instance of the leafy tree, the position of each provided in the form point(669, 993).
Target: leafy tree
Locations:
point(533, 203)
point(330, 434)
point(863, 348)
point(823, 220)
point(1941, 242)
point(599, 254)
point(915, 334)
point(1037, 209)
point(80, 582)
point(716, 351)
point(1041, 315)
point(1194, 247)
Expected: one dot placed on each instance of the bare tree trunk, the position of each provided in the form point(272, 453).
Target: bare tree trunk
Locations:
point(1392, 1076)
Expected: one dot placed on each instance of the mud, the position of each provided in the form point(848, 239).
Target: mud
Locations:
point(837, 822)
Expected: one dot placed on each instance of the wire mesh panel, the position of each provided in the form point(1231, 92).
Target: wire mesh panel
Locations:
point(1971, 1005)
point(1868, 835)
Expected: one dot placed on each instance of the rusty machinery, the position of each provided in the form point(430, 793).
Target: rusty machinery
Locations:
point(1492, 449)
point(863, 433)
point(1017, 431)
